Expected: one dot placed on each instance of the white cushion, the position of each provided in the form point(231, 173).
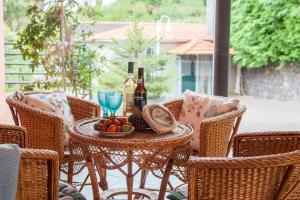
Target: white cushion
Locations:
point(56, 103)
point(197, 107)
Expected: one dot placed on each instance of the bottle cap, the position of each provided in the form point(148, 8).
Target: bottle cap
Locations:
point(130, 67)
point(141, 72)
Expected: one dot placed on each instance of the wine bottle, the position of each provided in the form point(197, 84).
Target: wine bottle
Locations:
point(140, 92)
point(129, 86)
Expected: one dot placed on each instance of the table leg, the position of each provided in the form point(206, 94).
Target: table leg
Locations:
point(129, 177)
point(143, 179)
point(92, 173)
point(102, 174)
point(165, 179)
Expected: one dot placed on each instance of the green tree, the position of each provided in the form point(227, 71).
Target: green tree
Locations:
point(138, 49)
point(149, 10)
point(265, 31)
point(47, 41)
point(15, 13)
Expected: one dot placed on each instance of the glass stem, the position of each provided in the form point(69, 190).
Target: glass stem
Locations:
point(113, 112)
point(105, 113)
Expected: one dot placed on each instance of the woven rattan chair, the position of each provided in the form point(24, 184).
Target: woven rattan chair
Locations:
point(14, 135)
point(216, 137)
point(217, 133)
point(265, 143)
point(38, 175)
point(39, 169)
point(256, 178)
point(46, 130)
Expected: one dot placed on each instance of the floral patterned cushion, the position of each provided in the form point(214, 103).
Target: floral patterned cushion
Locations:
point(56, 103)
point(69, 192)
point(197, 107)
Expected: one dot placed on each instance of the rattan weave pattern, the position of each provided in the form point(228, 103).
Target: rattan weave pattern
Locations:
point(38, 170)
point(148, 150)
point(14, 135)
point(139, 140)
point(38, 175)
point(216, 132)
point(265, 177)
point(46, 130)
point(268, 143)
point(216, 136)
point(265, 143)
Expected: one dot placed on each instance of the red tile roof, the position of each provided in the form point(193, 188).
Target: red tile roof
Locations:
point(196, 47)
point(191, 38)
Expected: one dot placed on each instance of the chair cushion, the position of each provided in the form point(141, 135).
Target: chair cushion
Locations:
point(197, 107)
point(9, 170)
point(69, 192)
point(180, 193)
point(56, 103)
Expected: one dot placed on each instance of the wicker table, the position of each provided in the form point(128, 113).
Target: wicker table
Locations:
point(147, 150)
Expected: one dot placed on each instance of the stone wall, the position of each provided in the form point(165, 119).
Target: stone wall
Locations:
point(269, 82)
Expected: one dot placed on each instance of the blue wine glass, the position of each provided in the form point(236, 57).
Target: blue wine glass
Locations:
point(113, 101)
point(102, 101)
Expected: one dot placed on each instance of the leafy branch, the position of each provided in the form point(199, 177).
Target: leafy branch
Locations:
point(265, 31)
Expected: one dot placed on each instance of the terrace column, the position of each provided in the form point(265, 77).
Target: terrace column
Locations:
point(2, 66)
point(221, 49)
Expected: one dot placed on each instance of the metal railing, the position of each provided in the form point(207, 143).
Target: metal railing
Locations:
point(17, 71)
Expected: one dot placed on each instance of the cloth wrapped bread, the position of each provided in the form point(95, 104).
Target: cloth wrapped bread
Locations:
point(159, 118)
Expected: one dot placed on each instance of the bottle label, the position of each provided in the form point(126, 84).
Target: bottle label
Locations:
point(129, 102)
point(140, 100)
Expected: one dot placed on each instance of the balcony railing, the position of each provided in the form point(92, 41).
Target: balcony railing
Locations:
point(17, 71)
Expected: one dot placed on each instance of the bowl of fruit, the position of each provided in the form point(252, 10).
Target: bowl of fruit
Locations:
point(114, 127)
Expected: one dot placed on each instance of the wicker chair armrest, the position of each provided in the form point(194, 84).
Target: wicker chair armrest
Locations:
point(14, 135)
point(82, 109)
point(232, 114)
point(266, 143)
point(174, 107)
point(247, 162)
point(39, 171)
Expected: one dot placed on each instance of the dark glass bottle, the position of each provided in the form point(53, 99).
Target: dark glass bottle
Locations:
point(140, 92)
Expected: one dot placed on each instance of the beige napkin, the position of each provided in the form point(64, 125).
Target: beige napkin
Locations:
point(159, 118)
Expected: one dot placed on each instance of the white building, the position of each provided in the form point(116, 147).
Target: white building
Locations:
point(189, 41)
